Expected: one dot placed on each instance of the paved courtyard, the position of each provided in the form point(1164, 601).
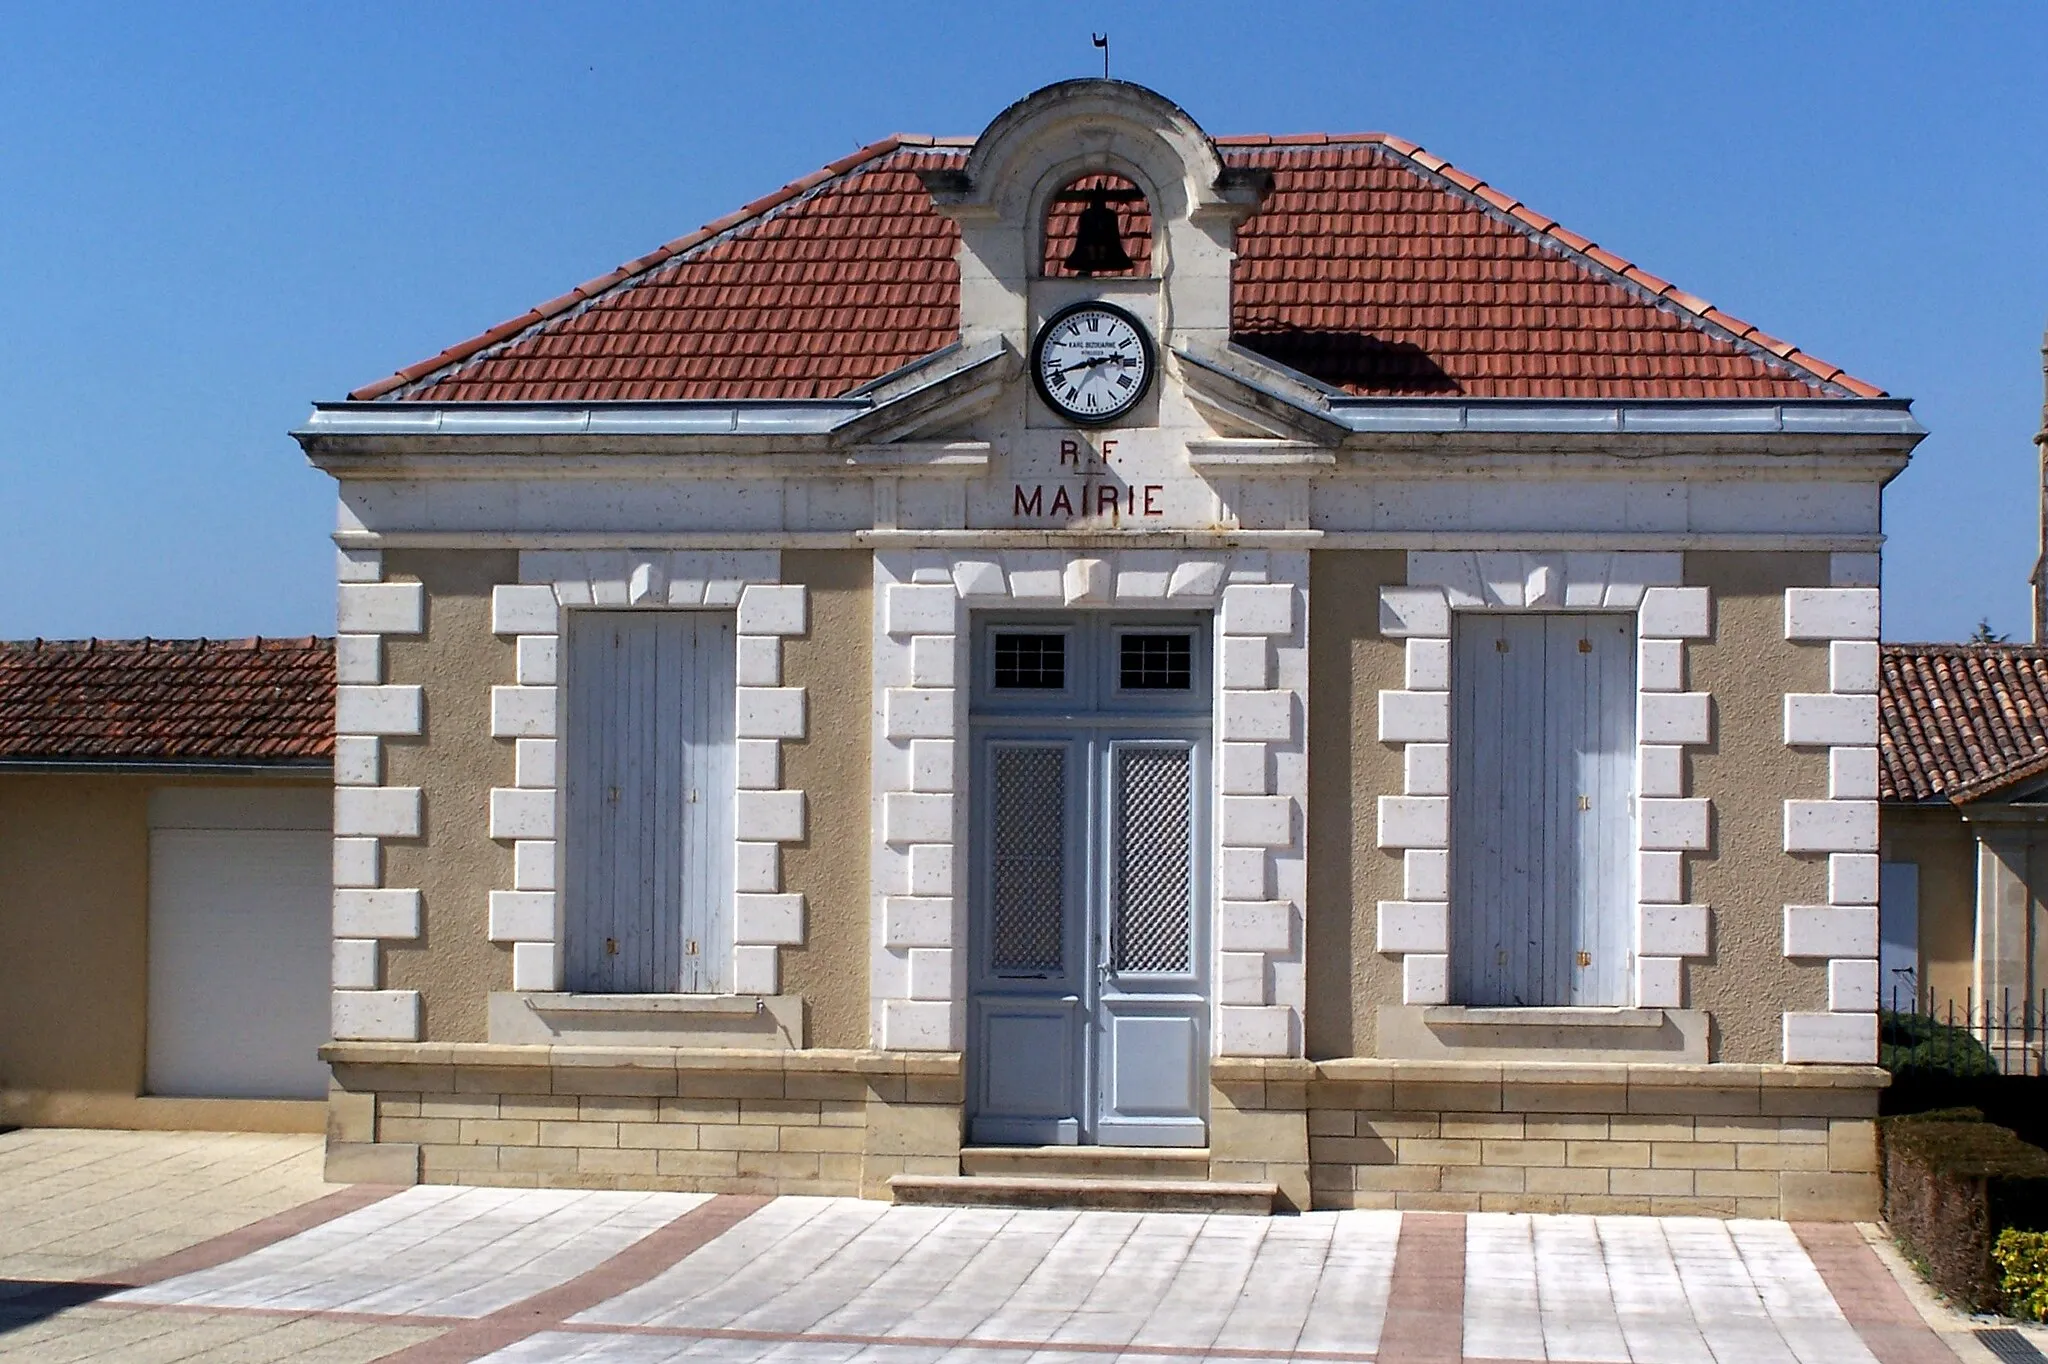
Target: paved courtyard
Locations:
point(277, 1266)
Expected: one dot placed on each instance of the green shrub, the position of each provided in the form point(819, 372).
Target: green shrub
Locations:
point(1943, 1115)
point(1950, 1188)
point(1966, 1149)
point(2023, 1264)
point(1917, 1045)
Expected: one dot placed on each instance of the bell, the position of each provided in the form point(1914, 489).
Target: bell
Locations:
point(1098, 239)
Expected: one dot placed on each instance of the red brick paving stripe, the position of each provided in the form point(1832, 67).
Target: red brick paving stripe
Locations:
point(1426, 1301)
point(233, 1245)
point(1868, 1295)
point(628, 1269)
point(254, 1237)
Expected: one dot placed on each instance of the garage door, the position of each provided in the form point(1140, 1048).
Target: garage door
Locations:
point(239, 913)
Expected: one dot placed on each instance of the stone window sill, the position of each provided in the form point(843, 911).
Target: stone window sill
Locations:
point(1441, 1032)
point(1461, 1016)
point(564, 1003)
point(553, 1018)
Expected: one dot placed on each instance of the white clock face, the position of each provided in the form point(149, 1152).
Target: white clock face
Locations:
point(1093, 362)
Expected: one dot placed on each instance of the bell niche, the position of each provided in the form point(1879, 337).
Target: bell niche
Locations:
point(1098, 226)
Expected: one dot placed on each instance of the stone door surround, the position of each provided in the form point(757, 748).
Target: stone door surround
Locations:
point(921, 601)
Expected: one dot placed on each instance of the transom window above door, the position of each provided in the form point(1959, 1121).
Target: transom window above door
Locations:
point(1138, 662)
point(1161, 661)
point(1026, 661)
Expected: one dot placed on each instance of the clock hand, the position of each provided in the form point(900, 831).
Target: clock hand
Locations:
point(1090, 364)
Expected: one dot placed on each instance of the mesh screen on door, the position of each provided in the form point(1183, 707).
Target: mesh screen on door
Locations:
point(1153, 888)
point(1028, 859)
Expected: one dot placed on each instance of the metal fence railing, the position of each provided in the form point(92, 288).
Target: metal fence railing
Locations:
point(2006, 1035)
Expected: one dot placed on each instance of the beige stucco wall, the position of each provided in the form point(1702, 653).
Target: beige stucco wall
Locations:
point(455, 762)
point(1945, 849)
point(1745, 876)
point(830, 765)
point(74, 930)
point(1348, 874)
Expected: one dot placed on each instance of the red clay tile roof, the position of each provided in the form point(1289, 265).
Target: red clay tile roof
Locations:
point(228, 701)
point(1959, 721)
point(1374, 266)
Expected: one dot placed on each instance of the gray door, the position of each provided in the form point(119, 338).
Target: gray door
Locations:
point(648, 804)
point(1898, 923)
point(1542, 809)
point(1088, 1014)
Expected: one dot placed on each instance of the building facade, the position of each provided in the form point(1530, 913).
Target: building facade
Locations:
point(1100, 648)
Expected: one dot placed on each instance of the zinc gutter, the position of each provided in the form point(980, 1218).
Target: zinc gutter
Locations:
point(746, 417)
point(1360, 416)
point(1638, 416)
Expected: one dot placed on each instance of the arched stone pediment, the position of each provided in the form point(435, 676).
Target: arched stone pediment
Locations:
point(1060, 132)
point(1050, 139)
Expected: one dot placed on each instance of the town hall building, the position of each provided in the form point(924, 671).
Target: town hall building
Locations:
point(1101, 662)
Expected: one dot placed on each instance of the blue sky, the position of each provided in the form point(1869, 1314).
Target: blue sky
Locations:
point(212, 215)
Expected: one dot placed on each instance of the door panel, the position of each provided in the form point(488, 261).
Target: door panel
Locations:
point(1542, 810)
point(1030, 1090)
point(1898, 920)
point(649, 802)
point(1152, 1069)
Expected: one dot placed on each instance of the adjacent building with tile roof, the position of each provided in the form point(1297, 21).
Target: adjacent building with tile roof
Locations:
point(1964, 772)
point(165, 897)
point(865, 657)
point(1964, 749)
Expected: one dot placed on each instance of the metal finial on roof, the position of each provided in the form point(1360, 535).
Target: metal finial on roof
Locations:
point(1102, 41)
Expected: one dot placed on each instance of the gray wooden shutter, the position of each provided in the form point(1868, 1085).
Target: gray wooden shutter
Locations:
point(1542, 810)
point(648, 805)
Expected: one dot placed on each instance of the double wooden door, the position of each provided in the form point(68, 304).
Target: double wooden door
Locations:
point(1088, 1010)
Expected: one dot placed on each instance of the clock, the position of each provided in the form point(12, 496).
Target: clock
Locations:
point(1092, 362)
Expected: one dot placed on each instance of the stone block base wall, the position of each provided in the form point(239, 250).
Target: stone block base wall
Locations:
point(1258, 1125)
point(1721, 1140)
point(765, 1122)
point(1796, 1142)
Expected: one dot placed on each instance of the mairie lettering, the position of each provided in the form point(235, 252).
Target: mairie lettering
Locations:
point(1089, 499)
